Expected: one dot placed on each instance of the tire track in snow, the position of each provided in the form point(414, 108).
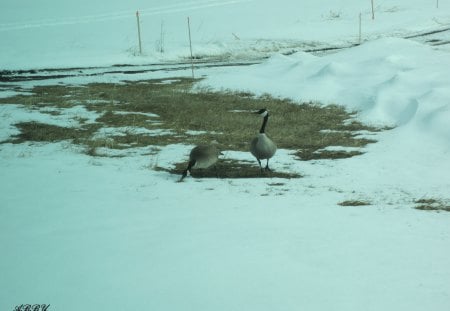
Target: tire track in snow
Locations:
point(166, 9)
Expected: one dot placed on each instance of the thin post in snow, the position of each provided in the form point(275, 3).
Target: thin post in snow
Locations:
point(373, 12)
point(437, 4)
point(359, 37)
point(161, 39)
point(139, 32)
point(190, 46)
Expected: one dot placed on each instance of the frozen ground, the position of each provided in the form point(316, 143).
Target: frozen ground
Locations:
point(86, 33)
point(80, 232)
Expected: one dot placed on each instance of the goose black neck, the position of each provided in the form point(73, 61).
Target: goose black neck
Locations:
point(263, 126)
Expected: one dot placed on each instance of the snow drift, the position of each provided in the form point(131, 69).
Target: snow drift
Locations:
point(389, 82)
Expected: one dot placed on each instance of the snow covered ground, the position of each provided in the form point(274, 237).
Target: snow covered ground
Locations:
point(79, 232)
point(52, 33)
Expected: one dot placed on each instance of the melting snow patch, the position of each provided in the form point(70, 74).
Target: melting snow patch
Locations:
point(130, 130)
point(148, 114)
point(193, 133)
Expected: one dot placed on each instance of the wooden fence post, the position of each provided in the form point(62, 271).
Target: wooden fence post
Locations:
point(161, 39)
point(359, 37)
point(190, 46)
point(373, 12)
point(139, 32)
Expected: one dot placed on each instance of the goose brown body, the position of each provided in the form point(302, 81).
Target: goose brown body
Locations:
point(202, 156)
point(262, 147)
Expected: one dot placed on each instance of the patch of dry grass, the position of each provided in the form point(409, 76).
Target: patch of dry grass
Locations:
point(431, 204)
point(225, 117)
point(229, 168)
point(42, 132)
point(354, 203)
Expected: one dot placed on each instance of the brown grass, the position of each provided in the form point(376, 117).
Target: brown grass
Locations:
point(224, 117)
point(36, 131)
point(354, 203)
point(230, 168)
point(431, 204)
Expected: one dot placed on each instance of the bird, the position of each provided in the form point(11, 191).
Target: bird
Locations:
point(261, 146)
point(201, 156)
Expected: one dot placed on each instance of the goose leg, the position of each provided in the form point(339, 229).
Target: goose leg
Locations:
point(190, 165)
point(183, 175)
point(267, 166)
point(217, 172)
point(259, 162)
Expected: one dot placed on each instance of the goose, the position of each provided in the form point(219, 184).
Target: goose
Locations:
point(261, 146)
point(202, 156)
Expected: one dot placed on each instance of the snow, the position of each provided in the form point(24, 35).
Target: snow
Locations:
point(82, 232)
point(110, 233)
point(380, 83)
point(89, 33)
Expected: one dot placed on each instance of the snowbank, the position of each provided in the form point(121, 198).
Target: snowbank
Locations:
point(391, 82)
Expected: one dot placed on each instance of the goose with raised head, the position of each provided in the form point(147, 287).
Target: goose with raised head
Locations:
point(261, 146)
point(202, 156)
